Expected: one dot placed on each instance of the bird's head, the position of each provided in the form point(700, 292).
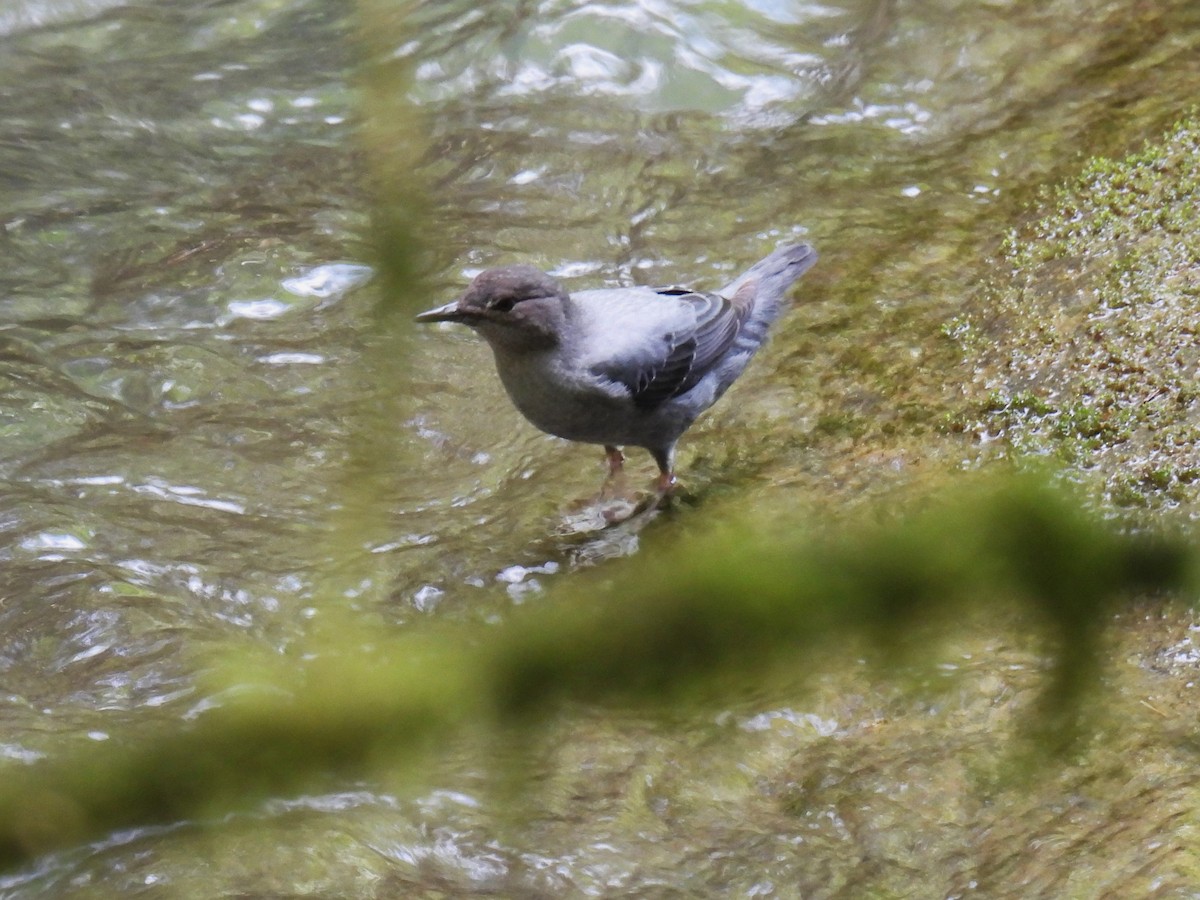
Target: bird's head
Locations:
point(517, 308)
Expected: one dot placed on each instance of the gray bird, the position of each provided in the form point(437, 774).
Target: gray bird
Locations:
point(622, 366)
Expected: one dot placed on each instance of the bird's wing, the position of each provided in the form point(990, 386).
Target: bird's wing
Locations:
point(662, 342)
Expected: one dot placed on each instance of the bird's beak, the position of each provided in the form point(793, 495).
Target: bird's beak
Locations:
point(448, 313)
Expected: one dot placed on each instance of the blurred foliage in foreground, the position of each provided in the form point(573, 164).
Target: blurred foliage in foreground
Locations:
point(679, 625)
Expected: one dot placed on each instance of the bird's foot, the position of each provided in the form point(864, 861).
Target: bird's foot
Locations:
point(599, 512)
point(614, 503)
point(618, 503)
point(666, 483)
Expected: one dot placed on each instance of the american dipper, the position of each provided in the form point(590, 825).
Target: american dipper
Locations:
point(631, 365)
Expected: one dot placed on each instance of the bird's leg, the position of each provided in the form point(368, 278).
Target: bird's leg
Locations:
point(666, 469)
point(614, 486)
point(615, 458)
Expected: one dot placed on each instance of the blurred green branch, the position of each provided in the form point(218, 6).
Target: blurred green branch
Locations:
point(675, 624)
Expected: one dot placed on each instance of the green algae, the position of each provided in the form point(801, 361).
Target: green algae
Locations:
point(1091, 331)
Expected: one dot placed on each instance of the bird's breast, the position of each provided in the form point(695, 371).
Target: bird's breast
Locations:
point(565, 401)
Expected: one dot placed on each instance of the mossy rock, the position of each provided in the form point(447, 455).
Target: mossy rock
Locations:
point(1085, 342)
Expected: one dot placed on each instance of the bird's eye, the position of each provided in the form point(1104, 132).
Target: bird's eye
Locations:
point(502, 304)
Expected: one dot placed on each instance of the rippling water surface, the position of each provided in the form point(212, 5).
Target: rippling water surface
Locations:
point(186, 304)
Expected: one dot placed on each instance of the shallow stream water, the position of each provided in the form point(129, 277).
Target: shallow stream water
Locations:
point(187, 322)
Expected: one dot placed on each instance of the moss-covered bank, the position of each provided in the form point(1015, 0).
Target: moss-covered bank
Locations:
point(1086, 341)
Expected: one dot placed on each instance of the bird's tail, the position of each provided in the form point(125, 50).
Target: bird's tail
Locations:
point(758, 293)
point(776, 272)
point(771, 278)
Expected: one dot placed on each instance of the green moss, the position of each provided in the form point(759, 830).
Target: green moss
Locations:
point(1016, 404)
point(1093, 334)
point(841, 424)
